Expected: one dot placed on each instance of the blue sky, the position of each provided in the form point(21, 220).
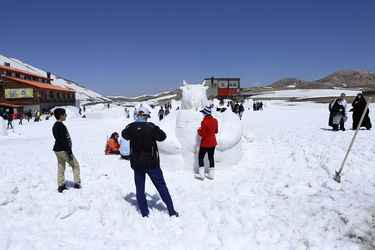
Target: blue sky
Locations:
point(139, 47)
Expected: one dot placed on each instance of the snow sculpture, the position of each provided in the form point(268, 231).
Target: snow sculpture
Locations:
point(188, 120)
point(3, 127)
point(194, 96)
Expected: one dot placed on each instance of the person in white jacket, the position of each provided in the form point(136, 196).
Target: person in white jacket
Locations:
point(124, 149)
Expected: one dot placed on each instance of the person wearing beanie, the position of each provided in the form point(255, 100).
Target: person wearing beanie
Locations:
point(208, 129)
point(112, 147)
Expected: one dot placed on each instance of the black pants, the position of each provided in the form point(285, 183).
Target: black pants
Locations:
point(336, 126)
point(202, 153)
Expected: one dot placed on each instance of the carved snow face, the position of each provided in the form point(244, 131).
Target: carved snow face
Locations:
point(194, 96)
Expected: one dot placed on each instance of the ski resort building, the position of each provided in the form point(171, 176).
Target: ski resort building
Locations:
point(222, 87)
point(31, 91)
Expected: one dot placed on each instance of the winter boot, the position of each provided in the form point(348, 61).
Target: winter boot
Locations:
point(174, 214)
point(210, 174)
point(62, 188)
point(200, 176)
point(77, 186)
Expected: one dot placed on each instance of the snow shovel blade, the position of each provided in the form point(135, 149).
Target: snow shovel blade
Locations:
point(337, 177)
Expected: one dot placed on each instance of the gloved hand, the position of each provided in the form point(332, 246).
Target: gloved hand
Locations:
point(70, 157)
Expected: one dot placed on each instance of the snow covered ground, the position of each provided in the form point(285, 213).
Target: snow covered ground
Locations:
point(280, 196)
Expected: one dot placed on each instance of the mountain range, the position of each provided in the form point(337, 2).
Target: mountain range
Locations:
point(354, 78)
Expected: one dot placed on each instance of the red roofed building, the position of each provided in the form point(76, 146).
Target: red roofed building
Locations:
point(32, 91)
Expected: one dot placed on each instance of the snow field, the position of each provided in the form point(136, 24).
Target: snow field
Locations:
point(280, 195)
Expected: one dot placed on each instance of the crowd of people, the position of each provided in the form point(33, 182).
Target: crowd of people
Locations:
point(257, 105)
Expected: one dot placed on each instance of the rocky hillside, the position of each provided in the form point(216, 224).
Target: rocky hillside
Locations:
point(289, 83)
point(354, 78)
point(349, 79)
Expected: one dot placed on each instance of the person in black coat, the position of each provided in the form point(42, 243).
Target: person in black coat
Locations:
point(359, 105)
point(144, 159)
point(10, 120)
point(338, 115)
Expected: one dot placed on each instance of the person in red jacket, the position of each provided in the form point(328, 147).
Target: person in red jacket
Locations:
point(112, 147)
point(207, 131)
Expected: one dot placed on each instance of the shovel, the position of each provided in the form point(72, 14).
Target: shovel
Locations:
point(337, 177)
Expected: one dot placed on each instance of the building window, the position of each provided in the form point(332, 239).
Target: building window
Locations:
point(22, 76)
point(18, 75)
point(223, 84)
point(9, 73)
point(33, 78)
point(233, 84)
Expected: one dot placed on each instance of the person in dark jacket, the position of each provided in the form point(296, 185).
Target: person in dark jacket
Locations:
point(144, 159)
point(359, 105)
point(241, 110)
point(10, 120)
point(63, 151)
point(338, 115)
point(208, 129)
point(161, 113)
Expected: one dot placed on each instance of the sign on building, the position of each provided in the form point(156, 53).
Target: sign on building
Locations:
point(19, 93)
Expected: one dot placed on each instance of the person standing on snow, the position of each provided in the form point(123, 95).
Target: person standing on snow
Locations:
point(127, 113)
point(161, 113)
point(338, 115)
point(21, 116)
point(63, 151)
point(241, 110)
point(208, 129)
point(10, 120)
point(135, 113)
point(359, 105)
point(144, 159)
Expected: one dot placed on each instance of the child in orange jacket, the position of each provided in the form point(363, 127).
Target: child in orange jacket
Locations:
point(112, 147)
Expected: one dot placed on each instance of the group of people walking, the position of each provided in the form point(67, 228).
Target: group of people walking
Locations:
point(142, 151)
point(339, 114)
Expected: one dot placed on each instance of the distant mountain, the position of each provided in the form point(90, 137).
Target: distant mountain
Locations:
point(151, 99)
point(354, 78)
point(84, 95)
point(289, 83)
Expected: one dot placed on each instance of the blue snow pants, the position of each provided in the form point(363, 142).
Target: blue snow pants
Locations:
point(156, 176)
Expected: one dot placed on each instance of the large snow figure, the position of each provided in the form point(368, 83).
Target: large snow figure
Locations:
point(194, 96)
point(188, 120)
